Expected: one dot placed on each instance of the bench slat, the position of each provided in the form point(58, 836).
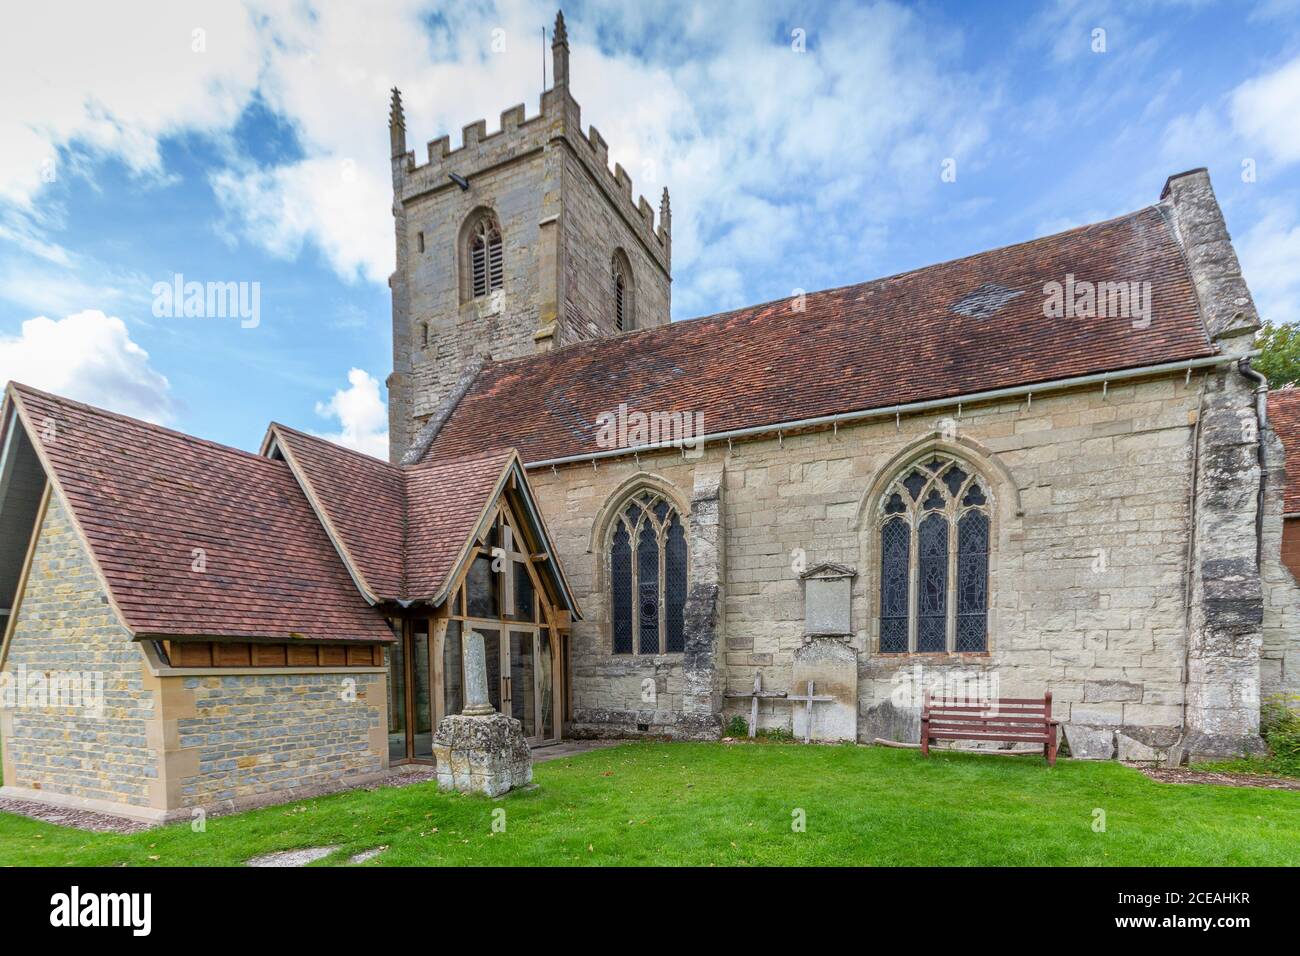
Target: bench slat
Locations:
point(995, 729)
point(1000, 718)
point(991, 705)
point(1025, 738)
point(1001, 700)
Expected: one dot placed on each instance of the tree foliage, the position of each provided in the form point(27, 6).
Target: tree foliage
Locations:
point(1280, 360)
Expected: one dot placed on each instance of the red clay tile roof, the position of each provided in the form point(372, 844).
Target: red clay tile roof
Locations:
point(1284, 416)
point(362, 500)
point(145, 497)
point(445, 501)
point(961, 327)
point(401, 529)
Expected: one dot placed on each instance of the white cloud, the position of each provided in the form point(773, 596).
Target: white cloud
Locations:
point(89, 357)
point(1269, 253)
point(362, 413)
point(115, 82)
point(762, 146)
point(323, 201)
point(1265, 111)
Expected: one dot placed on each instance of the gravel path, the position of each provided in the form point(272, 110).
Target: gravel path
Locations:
point(69, 817)
point(1170, 775)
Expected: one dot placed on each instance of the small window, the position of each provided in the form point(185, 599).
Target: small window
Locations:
point(619, 301)
point(621, 291)
point(419, 241)
point(485, 256)
point(424, 335)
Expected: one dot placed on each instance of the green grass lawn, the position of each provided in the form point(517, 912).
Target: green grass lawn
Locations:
point(702, 804)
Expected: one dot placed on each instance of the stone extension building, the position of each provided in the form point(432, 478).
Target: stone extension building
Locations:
point(1045, 467)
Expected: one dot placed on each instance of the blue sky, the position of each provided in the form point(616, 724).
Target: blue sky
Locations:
point(248, 143)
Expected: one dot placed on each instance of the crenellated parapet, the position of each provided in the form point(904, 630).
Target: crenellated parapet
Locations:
point(517, 136)
point(576, 253)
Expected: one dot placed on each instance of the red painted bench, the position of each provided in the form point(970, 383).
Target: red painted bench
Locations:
point(1015, 719)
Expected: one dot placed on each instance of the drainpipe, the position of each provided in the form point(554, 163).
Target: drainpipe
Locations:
point(1261, 412)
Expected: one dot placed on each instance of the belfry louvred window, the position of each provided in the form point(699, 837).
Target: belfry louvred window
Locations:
point(620, 289)
point(648, 561)
point(485, 256)
point(933, 536)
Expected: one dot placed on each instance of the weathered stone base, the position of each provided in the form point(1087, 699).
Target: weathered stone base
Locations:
point(1089, 742)
point(1200, 746)
point(487, 755)
point(616, 724)
point(890, 722)
point(1154, 746)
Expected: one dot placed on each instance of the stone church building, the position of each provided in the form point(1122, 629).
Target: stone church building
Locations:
point(1043, 468)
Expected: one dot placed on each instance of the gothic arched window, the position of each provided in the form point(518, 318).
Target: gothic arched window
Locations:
point(485, 258)
point(933, 533)
point(647, 574)
point(621, 291)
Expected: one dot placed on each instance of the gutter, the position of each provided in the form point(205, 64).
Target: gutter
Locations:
point(909, 408)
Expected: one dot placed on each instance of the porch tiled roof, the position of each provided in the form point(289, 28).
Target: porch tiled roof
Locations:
point(401, 528)
point(363, 500)
point(146, 497)
point(1284, 415)
point(444, 502)
point(957, 328)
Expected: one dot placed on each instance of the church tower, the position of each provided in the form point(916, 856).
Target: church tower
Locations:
point(519, 241)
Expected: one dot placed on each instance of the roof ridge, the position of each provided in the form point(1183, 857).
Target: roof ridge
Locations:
point(334, 445)
point(759, 306)
point(148, 426)
point(427, 464)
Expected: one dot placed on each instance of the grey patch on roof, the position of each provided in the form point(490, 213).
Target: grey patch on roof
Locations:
point(985, 301)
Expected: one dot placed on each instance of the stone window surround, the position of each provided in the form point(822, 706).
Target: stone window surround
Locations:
point(661, 530)
point(464, 255)
point(1003, 505)
point(602, 535)
point(953, 511)
point(621, 268)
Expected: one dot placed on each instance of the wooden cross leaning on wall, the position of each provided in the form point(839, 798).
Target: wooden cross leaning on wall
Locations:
point(808, 700)
point(758, 694)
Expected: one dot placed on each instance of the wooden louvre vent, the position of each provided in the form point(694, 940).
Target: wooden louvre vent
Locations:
point(486, 258)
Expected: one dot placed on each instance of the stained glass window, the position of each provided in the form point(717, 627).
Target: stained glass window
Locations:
point(675, 588)
point(647, 589)
point(648, 561)
point(895, 549)
point(914, 483)
point(620, 573)
point(954, 478)
point(972, 581)
point(932, 584)
point(930, 589)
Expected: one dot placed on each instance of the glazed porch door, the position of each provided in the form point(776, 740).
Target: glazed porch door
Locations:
point(528, 670)
point(410, 695)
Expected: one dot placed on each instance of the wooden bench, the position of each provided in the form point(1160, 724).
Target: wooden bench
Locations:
point(1016, 719)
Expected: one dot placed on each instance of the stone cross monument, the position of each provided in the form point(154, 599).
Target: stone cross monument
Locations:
point(475, 671)
point(480, 750)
